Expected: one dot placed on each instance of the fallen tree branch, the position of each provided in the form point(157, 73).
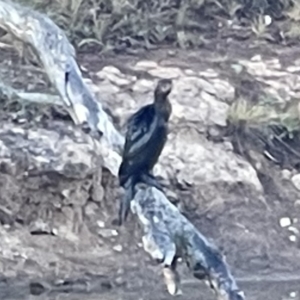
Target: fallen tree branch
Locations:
point(39, 98)
point(168, 234)
point(110, 158)
point(57, 56)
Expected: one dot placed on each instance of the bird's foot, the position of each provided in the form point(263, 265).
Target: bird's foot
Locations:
point(124, 207)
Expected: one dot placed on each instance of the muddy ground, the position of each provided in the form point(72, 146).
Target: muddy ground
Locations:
point(88, 256)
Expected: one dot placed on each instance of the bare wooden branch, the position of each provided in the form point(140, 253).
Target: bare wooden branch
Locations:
point(167, 233)
point(39, 98)
point(58, 58)
point(110, 158)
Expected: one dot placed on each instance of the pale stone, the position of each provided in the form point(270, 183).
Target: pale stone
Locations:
point(293, 294)
point(166, 72)
point(143, 86)
point(293, 69)
point(145, 65)
point(296, 181)
point(256, 57)
point(189, 72)
point(286, 174)
point(112, 70)
point(107, 233)
point(118, 248)
point(101, 224)
point(294, 230)
point(210, 73)
point(285, 222)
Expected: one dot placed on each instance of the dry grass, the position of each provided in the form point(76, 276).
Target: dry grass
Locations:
point(123, 24)
point(265, 114)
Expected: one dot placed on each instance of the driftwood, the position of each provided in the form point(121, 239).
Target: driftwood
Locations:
point(57, 56)
point(168, 235)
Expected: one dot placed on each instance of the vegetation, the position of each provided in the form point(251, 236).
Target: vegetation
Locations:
point(264, 114)
point(131, 24)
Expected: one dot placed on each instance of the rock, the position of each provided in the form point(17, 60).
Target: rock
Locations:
point(54, 231)
point(189, 72)
point(256, 57)
point(285, 222)
point(40, 227)
point(296, 181)
point(115, 76)
point(286, 174)
point(101, 224)
point(293, 238)
point(111, 70)
point(193, 159)
point(293, 69)
point(196, 100)
point(91, 209)
point(98, 192)
point(107, 233)
point(172, 52)
point(218, 114)
point(274, 63)
point(166, 72)
point(237, 68)
point(293, 294)
point(224, 90)
point(209, 73)
point(120, 281)
point(145, 65)
point(57, 150)
point(105, 89)
point(294, 230)
point(267, 20)
point(206, 86)
point(118, 248)
point(143, 86)
point(115, 79)
point(66, 233)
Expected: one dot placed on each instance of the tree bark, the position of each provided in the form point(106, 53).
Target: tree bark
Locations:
point(168, 235)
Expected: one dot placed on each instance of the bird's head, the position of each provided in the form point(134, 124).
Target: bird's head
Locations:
point(163, 88)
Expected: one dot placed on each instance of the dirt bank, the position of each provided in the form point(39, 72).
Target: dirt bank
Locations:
point(56, 215)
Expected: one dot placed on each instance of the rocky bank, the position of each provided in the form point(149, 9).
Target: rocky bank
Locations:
point(57, 204)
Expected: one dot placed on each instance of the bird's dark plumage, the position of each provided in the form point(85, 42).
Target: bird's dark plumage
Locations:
point(146, 135)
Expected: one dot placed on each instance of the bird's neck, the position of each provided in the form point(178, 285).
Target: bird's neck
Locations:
point(163, 107)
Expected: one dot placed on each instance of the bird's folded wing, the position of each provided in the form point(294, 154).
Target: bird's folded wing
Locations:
point(140, 128)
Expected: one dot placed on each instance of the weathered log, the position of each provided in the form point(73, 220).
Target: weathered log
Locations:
point(168, 234)
point(57, 56)
point(39, 98)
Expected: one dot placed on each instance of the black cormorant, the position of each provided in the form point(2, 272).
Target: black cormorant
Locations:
point(146, 136)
